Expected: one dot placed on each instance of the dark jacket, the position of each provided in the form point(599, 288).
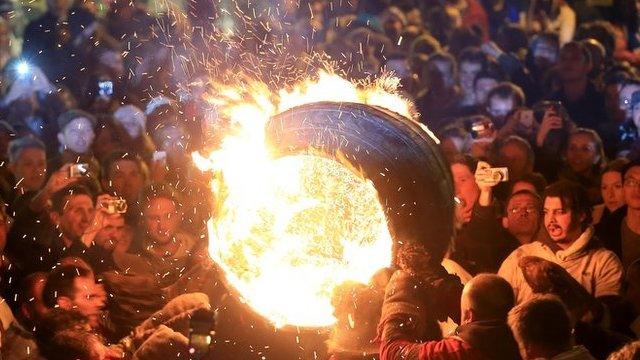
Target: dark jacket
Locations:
point(481, 245)
point(608, 229)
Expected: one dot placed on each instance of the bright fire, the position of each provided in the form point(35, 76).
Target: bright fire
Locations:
point(288, 230)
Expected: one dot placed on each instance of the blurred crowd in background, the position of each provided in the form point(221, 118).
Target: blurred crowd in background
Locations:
point(103, 230)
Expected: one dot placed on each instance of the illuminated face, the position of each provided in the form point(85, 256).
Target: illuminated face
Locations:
point(30, 169)
point(112, 232)
point(172, 139)
point(523, 215)
point(482, 89)
point(612, 190)
point(582, 153)
point(126, 179)
point(466, 189)
point(76, 216)
point(468, 72)
point(77, 135)
point(558, 222)
point(162, 220)
point(88, 300)
point(500, 107)
point(130, 124)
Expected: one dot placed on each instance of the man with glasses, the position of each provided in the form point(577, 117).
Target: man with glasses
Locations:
point(570, 243)
point(630, 229)
point(521, 220)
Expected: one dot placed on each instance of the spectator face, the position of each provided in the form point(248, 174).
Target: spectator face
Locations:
point(582, 153)
point(130, 125)
point(30, 168)
point(557, 222)
point(515, 158)
point(624, 99)
point(87, 300)
point(632, 187)
point(76, 216)
point(126, 179)
point(172, 139)
point(482, 88)
point(393, 27)
point(162, 220)
point(466, 189)
point(112, 232)
point(573, 66)
point(468, 72)
point(545, 54)
point(523, 216)
point(500, 107)
point(77, 136)
point(612, 190)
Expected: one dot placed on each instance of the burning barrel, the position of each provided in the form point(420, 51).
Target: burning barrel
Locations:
point(391, 185)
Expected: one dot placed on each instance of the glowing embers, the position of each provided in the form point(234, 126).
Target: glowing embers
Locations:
point(303, 225)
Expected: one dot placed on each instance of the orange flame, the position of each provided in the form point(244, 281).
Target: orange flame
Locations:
point(288, 230)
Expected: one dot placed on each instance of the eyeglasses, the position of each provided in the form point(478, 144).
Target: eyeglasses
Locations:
point(527, 210)
point(631, 182)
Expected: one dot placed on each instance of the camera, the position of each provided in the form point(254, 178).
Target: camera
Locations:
point(78, 170)
point(500, 174)
point(479, 126)
point(116, 206)
point(201, 332)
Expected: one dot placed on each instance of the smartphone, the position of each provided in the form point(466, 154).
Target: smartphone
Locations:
point(78, 170)
point(540, 108)
point(105, 88)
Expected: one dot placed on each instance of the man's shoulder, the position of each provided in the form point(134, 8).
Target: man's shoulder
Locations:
point(603, 255)
point(451, 347)
point(534, 248)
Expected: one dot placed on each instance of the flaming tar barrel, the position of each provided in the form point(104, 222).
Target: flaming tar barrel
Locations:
point(414, 187)
point(397, 154)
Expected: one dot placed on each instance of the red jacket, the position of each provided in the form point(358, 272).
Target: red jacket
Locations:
point(452, 348)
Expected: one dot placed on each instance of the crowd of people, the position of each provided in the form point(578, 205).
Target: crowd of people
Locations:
point(537, 105)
